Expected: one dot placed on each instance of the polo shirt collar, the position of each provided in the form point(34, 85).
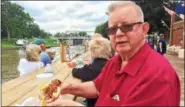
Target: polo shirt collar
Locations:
point(135, 63)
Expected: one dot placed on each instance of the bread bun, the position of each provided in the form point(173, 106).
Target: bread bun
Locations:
point(51, 91)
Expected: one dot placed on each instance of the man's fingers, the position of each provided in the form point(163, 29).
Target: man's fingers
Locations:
point(65, 88)
point(48, 101)
point(57, 102)
point(54, 103)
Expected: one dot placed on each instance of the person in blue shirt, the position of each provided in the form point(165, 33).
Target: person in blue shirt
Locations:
point(44, 57)
point(161, 46)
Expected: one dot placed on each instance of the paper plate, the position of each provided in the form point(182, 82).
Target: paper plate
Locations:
point(44, 76)
point(31, 101)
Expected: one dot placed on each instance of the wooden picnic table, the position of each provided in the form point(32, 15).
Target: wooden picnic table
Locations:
point(17, 90)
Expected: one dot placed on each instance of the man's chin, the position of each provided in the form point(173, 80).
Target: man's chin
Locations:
point(123, 50)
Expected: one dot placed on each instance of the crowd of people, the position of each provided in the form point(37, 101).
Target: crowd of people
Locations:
point(123, 71)
point(158, 44)
point(33, 57)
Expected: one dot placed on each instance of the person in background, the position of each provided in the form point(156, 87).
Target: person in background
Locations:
point(100, 50)
point(51, 54)
point(44, 57)
point(97, 35)
point(137, 75)
point(31, 61)
point(68, 53)
point(22, 50)
point(150, 40)
point(161, 46)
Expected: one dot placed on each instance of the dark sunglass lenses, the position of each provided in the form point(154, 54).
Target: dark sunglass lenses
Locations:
point(126, 28)
point(112, 31)
point(123, 28)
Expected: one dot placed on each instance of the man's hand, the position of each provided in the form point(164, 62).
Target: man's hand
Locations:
point(51, 91)
point(85, 89)
point(72, 64)
point(65, 88)
point(63, 102)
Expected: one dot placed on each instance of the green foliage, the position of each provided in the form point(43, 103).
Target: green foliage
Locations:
point(82, 33)
point(73, 34)
point(11, 43)
point(64, 42)
point(102, 29)
point(99, 28)
point(18, 23)
point(50, 42)
point(57, 35)
point(154, 13)
point(8, 43)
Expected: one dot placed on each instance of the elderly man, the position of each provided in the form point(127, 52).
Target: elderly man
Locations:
point(137, 75)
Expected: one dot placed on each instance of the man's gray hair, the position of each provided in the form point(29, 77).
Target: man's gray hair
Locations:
point(119, 4)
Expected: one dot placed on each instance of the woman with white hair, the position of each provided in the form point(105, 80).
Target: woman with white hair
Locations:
point(100, 51)
point(31, 62)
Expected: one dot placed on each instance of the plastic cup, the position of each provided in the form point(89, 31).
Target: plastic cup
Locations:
point(79, 63)
point(43, 79)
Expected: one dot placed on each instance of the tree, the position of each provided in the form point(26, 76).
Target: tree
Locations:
point(4, 16)
point(154, 13)
point(17, 23)
point(102, 29)
point(82, 33)
point(34, 30)
point(15, 20)
point(57, 35)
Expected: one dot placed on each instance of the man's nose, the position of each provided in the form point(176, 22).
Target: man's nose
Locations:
point(119, 32)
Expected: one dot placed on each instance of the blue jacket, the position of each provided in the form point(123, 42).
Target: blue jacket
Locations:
point(44, 58)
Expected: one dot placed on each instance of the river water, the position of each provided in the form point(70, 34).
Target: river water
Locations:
point(9, 61)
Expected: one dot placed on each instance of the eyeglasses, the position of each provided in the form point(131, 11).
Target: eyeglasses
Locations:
point(123, 28)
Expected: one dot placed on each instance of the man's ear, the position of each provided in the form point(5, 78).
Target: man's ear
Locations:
point(146, 28)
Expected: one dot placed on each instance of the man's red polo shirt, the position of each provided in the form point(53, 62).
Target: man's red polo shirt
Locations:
point(148, 79)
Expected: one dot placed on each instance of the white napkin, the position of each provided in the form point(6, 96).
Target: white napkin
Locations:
point(31, 101)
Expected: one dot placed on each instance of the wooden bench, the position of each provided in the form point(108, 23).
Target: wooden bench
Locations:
point(17, 90)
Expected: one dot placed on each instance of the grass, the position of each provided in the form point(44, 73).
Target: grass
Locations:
point(11, 43)
point(50, 42)
point(8, 44)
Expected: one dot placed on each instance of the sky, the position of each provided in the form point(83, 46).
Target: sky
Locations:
point(61, 16)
